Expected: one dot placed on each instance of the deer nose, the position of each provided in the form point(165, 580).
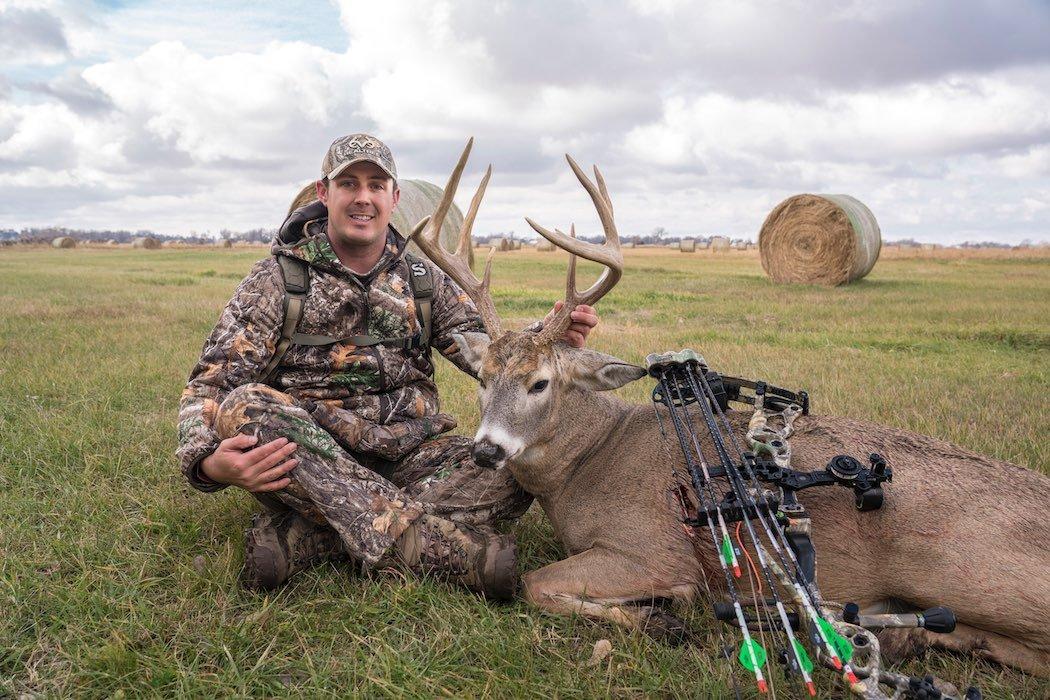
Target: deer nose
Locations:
point(487, 454)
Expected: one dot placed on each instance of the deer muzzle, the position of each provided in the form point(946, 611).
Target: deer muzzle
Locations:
point(488, 455)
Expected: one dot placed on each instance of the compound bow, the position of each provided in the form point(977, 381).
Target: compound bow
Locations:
point(762, 492)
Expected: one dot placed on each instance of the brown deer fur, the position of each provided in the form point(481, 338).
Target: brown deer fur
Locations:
point(957, 529)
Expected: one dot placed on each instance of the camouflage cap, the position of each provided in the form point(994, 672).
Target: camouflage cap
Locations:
point(357, 148)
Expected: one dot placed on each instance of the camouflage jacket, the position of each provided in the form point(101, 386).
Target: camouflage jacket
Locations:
point(376, 400)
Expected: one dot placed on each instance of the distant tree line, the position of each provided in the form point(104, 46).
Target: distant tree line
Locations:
point(658, 236)
point(48, 233)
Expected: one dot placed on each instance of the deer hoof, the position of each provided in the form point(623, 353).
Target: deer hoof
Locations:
point(663, 626)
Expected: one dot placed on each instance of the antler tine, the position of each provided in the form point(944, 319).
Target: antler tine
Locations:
point(601, 187)
point(427, 236)
point(607, 254)
point(465, 237)
point(434, 232)
point(570, 276)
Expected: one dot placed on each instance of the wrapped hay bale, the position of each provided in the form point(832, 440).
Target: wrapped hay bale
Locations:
point(687, 245)
point(719, 243)
point(64, 242)
point(418, 199)
point(828, 239)
point(148, 242)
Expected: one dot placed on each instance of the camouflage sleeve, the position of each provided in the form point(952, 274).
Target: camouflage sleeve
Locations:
point(235, 353)
point(452, 312)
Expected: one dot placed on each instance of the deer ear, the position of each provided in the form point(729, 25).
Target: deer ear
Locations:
point(472, 347)
point(600, 372)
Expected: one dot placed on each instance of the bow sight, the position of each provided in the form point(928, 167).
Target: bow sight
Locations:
point(762, 499)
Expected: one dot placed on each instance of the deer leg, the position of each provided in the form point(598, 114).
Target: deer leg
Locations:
point(897, 644)
point(603, 585)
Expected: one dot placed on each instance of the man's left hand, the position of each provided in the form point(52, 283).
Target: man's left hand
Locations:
point(584, 318)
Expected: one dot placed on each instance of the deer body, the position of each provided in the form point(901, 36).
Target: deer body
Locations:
point(957, 529)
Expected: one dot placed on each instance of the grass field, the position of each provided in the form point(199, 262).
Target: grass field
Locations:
point(116, 579)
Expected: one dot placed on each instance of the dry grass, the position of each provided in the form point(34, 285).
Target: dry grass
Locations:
point(115, 579)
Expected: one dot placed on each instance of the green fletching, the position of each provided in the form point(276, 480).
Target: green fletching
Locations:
point(807, 663)
point(727, 550)
point(843, 647)
point(745, 657)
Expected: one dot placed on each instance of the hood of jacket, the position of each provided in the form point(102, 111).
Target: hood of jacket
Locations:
point(310, 243)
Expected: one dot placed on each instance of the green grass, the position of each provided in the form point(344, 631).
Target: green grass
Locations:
point(116, 579)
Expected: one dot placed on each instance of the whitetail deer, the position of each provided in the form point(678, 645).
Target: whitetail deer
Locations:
point(957, 528)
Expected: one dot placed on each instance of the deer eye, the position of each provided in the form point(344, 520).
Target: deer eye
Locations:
point(538, 386)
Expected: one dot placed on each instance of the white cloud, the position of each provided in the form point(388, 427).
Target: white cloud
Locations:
point(702, 116)
point(29, 33)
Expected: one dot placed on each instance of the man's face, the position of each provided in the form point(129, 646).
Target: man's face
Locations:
point(359, 200)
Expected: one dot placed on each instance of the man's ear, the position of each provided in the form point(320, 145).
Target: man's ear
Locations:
point(597, 371)
point(322, 191)
point(472, 347)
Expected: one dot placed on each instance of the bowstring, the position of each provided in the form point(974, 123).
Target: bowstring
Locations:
point(676, 475)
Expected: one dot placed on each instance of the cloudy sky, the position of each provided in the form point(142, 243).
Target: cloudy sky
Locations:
point(200, 115)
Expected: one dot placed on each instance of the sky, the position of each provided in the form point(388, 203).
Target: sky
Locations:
point(196, 116)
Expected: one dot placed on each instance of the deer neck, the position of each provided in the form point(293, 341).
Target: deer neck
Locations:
point(582, 424)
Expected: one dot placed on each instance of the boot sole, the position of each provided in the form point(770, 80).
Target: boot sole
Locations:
point(502, 573)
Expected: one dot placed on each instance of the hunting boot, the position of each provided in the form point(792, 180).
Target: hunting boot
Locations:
point(278, 545)
point(485, 562)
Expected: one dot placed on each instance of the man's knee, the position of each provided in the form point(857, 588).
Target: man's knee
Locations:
point(251, 403)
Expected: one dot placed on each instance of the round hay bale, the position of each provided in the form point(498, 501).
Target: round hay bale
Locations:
point(687, 245)
point(224, 243)
point(544, 245)
point(828, 239)
point(64, 242)
point(719, 243)
point(148, 242)
point(418, 198)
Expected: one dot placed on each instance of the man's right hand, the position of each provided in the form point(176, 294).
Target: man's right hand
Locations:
point(263, 468)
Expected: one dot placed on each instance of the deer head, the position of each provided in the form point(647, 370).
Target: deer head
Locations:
point(526, 377)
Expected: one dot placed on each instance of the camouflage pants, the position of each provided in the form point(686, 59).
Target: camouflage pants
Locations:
point(369, 500)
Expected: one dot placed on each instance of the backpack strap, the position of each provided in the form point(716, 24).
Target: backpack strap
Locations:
point(296, 275)
point(421, 280)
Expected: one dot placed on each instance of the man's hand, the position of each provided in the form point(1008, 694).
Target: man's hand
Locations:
point(584, 318)
point(260, 469)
